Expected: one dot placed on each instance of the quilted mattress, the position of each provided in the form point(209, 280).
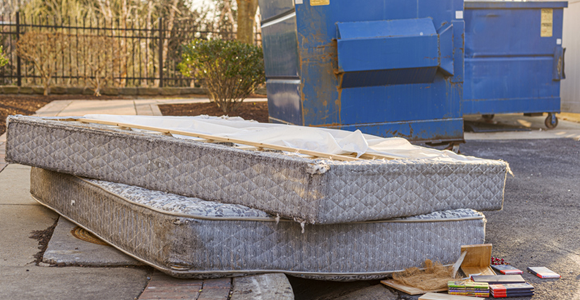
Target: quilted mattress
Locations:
point(315, 191)
point(189, 237)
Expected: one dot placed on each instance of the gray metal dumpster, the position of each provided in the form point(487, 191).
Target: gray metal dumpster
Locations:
point(514, 59)
point(386, 67)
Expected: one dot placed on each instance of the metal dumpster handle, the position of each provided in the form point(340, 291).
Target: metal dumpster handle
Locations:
point(563, 63)
point(558, 71)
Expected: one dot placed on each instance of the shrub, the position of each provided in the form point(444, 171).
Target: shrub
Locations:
point(100, 59)
point(44, 50)
point(230, 70)
point(3, 60)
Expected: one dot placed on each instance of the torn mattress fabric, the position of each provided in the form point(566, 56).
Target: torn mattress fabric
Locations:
point(312, 190)
point(189, 237)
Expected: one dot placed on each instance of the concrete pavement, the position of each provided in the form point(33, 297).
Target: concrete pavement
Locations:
point(22, 279)
point(568, 127)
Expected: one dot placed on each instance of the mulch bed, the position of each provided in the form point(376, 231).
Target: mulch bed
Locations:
point(248, 110)
point(28, 105)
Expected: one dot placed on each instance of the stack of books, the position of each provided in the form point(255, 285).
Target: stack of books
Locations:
point(543, 272)
point(468, 288)
point(511, 290)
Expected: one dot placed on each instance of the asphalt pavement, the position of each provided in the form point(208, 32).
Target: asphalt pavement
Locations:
point(539, 225)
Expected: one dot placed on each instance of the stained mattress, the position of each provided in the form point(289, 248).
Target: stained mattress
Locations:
point(189, 237)
point(312, 190)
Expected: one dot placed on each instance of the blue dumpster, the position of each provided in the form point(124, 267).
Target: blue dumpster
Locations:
point(386, 67)
point(514, 59)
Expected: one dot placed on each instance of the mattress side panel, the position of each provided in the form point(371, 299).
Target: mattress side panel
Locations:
point(187, 247)
point(266, 182)
point(125, 226)
point(406, 188)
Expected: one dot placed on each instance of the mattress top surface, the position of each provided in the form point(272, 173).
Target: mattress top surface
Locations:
point(198, 208)
point(409, 154)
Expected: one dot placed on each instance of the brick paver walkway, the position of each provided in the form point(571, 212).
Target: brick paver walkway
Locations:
point(164, 287)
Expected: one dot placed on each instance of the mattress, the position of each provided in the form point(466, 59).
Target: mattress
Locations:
point(189, 237)
point(315, 191)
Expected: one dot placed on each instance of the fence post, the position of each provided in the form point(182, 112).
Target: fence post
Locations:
point(160, 52)
point(18, 72)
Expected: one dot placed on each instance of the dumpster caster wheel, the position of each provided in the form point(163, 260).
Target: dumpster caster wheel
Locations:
point(488, 117)
point(454, 147)
point(551, 121)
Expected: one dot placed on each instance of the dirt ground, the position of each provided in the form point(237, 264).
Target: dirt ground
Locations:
point(248, 110)
point(28, 105)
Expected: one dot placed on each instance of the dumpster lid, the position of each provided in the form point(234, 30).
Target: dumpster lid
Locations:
point(386, 28)
point(511, 4)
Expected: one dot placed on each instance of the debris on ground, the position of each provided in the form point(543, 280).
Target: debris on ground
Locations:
point(43, 237)
point(435, 276)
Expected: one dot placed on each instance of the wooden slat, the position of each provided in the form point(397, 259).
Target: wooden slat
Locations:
point(408, 289)
point(223, 139)
point(458, 263)
point(378, 156)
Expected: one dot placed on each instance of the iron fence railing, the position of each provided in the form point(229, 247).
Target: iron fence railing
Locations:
point(152, 50)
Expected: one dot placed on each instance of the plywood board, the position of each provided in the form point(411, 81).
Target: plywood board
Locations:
point(436, 296)
point(408, 289)
point(477, 255)
point(477, 271)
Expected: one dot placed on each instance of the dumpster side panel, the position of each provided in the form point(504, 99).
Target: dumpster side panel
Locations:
point(510, 84)
point(512, 57)
point(281, 48)
point(284, 101)
point(280, 45)
point(270, 9)
point(420, 111)
point(503, 32)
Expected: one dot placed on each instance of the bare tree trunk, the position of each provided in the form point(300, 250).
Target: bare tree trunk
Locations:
point(246, 16)
point(144, 44)
point(124, 17)
point(169, 28)
point(258, 25)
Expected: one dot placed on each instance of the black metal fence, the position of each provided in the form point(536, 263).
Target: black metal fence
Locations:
point(151, 50)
